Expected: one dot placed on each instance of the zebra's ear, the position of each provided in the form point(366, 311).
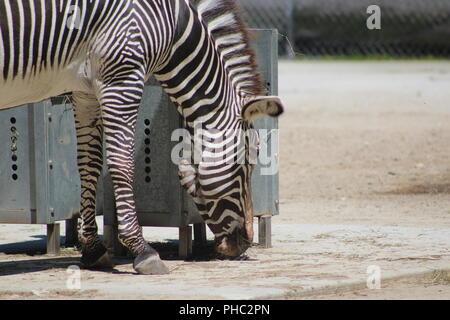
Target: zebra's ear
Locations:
point(262, 106)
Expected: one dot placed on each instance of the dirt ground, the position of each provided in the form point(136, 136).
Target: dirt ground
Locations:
point(363, 145)
point(367, 143)
point(433, 286)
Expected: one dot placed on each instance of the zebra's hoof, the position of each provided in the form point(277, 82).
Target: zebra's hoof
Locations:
point(98, 259)
point(149, 263)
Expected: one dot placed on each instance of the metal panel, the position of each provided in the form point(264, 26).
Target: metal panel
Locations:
point(39, 180)
point(158, 198)
point(16, 200)
point(39, 161)
point(265, 179)
point(64, 180)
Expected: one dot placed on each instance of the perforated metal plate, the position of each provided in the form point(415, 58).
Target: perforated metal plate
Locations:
point(39, 180)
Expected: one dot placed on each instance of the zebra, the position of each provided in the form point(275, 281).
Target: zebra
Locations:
point(103, 52)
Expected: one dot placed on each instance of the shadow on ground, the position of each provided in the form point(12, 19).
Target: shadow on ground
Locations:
point(38, 261)
point(443, 188)
point(31, 247)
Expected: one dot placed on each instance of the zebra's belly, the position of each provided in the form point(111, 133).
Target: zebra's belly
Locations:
point(45, 85)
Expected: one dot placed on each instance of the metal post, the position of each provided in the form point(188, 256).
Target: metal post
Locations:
point(200, 234)
point(53, 239)
point(265, 231)
point(71, 232)
point(185, 242)
point(290, 43)
point(111, 241)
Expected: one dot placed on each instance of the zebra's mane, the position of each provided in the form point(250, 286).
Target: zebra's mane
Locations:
point(223, 20)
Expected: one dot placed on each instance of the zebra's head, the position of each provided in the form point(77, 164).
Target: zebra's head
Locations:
point(220, 182)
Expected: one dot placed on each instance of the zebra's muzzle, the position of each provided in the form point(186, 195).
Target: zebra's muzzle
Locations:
point(233, 245)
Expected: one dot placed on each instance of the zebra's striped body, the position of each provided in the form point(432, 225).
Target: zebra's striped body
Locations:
point(103, 52)
point(48, 47)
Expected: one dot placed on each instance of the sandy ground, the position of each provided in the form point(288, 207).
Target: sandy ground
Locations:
point(432, 286)
point(364, 180)
point(366, 143)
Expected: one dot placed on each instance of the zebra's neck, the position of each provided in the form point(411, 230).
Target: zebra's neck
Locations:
point(210, 68)
point(194, 76)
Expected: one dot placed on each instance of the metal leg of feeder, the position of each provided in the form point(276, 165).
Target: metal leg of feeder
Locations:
point(265, 231)
point(200, 234)
point(111, 241)
point(53, 239)
point(71, 232)
point(109, 238)
point(185, 242)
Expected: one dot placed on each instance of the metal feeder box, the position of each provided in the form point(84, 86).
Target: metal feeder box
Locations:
point(39, 181)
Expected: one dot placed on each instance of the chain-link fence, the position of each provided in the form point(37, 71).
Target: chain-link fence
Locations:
point(410, 28)
point(271, 14)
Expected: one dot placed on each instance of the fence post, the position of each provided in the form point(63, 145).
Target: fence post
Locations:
point(290, 41)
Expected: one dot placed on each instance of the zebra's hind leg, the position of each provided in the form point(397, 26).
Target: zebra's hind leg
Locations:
point(119, 114)
point(90, 158)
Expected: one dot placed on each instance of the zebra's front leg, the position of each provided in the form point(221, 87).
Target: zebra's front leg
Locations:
point(90, 158)
point(119, 124)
